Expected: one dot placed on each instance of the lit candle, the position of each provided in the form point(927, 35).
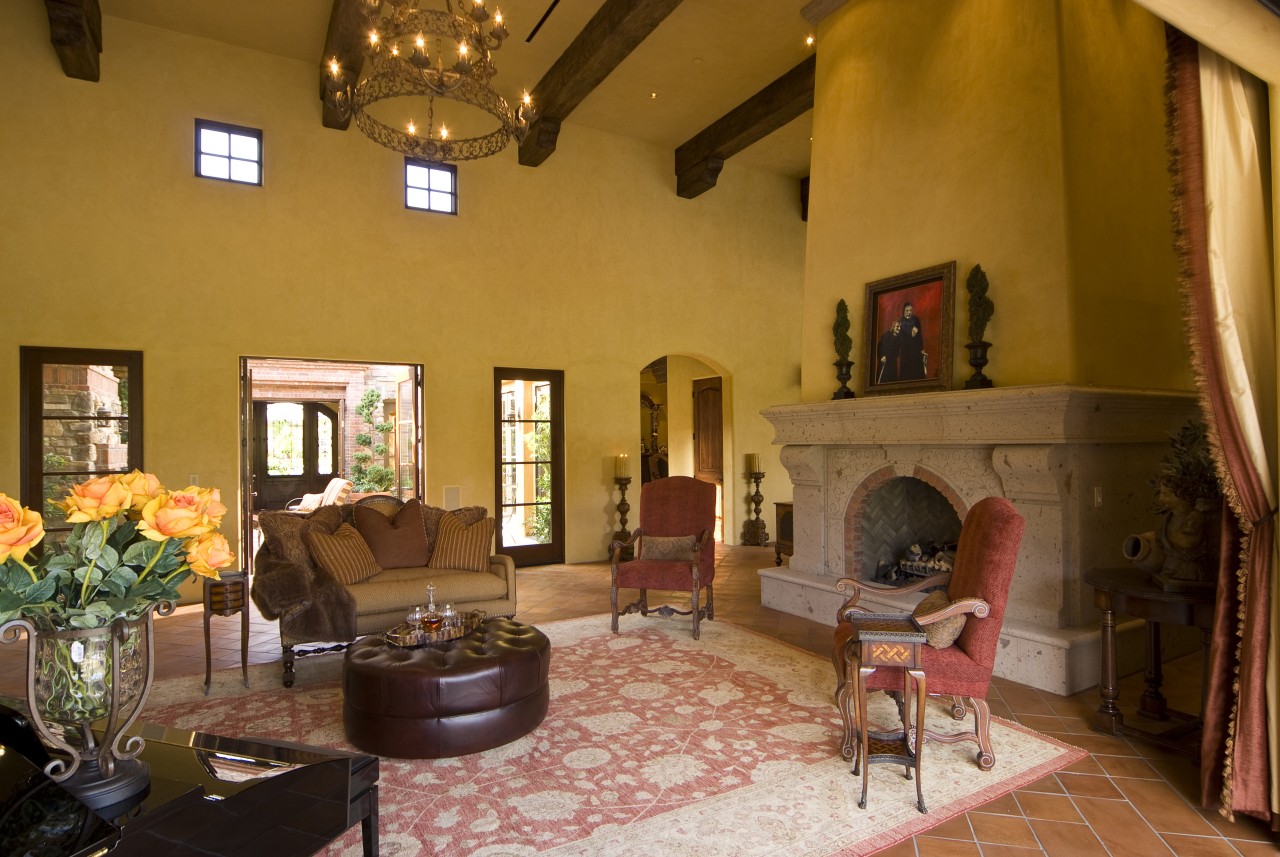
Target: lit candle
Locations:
point(753, 462)
point(413, 129)
point(444, 133)
point(622, 467)
point(334, 68)
point(373, 39)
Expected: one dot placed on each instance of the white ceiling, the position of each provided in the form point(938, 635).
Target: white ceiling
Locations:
point(706, 58)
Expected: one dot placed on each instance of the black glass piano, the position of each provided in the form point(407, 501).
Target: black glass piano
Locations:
point(208, 795)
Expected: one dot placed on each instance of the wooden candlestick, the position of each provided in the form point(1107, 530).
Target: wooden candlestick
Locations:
point(755, 532)
point(622, 533)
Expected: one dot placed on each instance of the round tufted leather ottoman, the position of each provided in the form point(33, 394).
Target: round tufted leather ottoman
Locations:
point(480, 691)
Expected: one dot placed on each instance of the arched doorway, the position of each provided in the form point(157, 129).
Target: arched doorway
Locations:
point(686, 426)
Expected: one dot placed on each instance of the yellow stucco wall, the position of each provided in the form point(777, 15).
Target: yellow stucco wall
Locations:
point(589, 263)
point(1026, 137)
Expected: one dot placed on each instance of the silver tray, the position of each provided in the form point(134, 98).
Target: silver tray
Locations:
point(408, 637)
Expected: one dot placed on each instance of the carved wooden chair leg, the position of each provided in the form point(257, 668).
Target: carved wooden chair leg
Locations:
point(711, 604)
point(613, 606)
point(644, 602)
point(696, 615)
point(958, 708)
point(986, 757)
point(289, 674)
point(846, 703)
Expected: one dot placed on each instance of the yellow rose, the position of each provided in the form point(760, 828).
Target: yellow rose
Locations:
point(181, 514)
point(97, 500)
point(143, 486)
point(208, 553)
point(212, 500)
point(20, 529)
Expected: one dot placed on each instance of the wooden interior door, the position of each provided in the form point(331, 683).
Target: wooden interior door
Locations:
point(708, 441)
point(708, 431)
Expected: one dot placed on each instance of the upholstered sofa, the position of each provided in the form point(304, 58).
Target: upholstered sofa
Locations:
point(343, 572)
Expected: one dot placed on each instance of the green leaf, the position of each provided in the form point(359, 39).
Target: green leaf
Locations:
point(62, 561)
point(140, 553)
point(108, 559)
point(83, 620)
point(11, 601)
point(41, 590)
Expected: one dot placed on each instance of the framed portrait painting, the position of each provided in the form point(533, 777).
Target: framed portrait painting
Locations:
point(909, 330)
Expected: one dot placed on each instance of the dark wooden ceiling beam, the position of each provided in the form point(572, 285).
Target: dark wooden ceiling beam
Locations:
point(699, 160)
point(613, 32)
point(75, 29)
point(345, 41)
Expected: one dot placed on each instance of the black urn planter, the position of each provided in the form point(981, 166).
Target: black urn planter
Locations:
point(978, 359)
point(844, 371)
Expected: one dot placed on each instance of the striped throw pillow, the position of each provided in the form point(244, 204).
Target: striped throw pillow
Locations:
point(343, 554)
point(462, 547)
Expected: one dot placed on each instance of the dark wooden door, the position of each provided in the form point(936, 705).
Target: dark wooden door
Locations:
point(708, 431)
point(289, 456)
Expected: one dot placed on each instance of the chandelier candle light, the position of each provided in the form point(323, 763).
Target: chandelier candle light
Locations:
point(431, 53)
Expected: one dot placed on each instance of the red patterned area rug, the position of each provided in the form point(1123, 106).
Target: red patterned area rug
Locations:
point(654, 744)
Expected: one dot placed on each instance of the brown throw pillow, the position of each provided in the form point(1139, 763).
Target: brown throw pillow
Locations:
point(667, 547)
point(944, 633)
point(432, 515)
point(462, 547)
point(398, 542)
point(343, 554)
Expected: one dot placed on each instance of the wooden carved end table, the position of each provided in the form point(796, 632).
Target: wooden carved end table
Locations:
point(884, 640)
point(227, 597)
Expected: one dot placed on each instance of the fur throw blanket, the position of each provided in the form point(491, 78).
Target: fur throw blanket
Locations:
point(311, 604)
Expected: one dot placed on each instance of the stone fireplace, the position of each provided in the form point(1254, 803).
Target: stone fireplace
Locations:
point(870, 475)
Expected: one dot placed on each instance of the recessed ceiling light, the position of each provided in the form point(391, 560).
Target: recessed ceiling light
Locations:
point(809, 41)
point(653, 95)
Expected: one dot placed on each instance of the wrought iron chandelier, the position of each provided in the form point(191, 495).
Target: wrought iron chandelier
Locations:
point(431, 53)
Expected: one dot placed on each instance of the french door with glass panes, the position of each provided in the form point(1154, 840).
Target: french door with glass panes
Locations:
point(529, 452)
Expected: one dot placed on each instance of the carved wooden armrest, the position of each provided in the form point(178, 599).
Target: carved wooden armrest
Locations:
point(976, 606)
point(858, 586)
point(616, 546)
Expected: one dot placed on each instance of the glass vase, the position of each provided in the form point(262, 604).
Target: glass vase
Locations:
point(85, 688)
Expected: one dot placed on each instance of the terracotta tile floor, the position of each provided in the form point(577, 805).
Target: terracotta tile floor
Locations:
point(1126, 798)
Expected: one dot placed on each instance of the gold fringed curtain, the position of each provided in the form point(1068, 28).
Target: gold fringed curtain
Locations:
point(1219, 147)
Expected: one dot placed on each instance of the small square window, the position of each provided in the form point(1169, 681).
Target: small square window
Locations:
point(430, 187)
point(228, 152)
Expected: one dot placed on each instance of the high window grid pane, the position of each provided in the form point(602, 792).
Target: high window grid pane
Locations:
point(228, 152)
point(430, 187)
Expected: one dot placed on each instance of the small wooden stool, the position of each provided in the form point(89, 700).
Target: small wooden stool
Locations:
point(226, 597)
point(884, 640)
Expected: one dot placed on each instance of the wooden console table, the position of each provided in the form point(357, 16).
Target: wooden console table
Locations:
point(1130, 592)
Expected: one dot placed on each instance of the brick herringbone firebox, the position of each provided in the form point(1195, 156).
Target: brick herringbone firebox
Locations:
point(1075, 461)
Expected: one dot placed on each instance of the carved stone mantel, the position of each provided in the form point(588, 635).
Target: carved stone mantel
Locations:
point(1075, 461)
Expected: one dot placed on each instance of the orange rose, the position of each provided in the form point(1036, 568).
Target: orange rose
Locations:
point(20, 529)
point(181, 514)
point(143, 486)
point(208, 553)
point(97, 500)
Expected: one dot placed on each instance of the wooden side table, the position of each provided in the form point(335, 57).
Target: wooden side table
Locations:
point(885, 640)
point(1132, 593)
point(227, 597)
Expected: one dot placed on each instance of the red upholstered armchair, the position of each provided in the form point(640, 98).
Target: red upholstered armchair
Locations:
point(978, 586)
point(677, 550)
